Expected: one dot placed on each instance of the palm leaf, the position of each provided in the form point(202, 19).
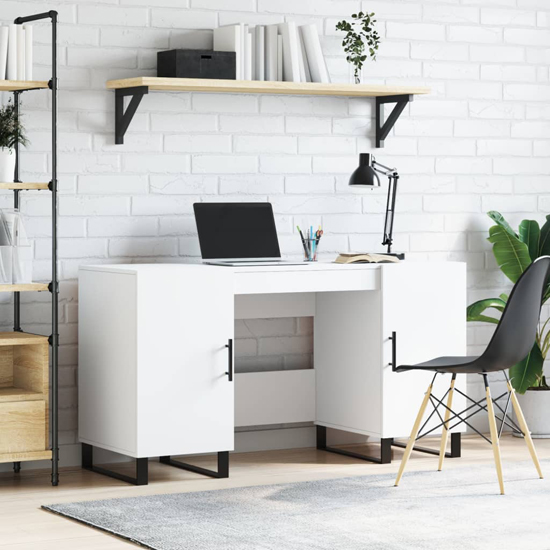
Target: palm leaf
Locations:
point(498, 218)
point(544, 242)
point(529, 233)
point(528, 372)
point(474, 312)
point(511, 254)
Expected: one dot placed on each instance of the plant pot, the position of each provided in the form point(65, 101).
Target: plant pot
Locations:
point(7, 165)
point(535, 405)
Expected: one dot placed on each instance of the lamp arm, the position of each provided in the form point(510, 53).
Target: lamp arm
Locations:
point(390, 210)
point(384, 170)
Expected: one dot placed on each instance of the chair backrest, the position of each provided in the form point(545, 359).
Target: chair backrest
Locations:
point(516, 332)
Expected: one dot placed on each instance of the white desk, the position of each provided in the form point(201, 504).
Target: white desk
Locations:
point(153, 356)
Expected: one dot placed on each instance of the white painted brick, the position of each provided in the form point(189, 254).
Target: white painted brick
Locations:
point(428, 242)
point(175, 103)
point(231, 18)
point(157, 163)
point(180, 225)
point(307, 125)
point(470, 34)
point(224, 164)
point(183, 184)
point(463, 165)
point(143, 247)
point(352, 223)
point(107, 15)
point(157, 205)
point(483, 184)
point(496, 110)
point(460, 71)
point(329, 145)
point(393, 11)
point(507, 17)
point(475, 90)
point(541, 148)
point(189, 246)
point(531, 129)
point(440, 108)
point(520, 73)
point(482, 128)
point(192, 40)
point(237, 5)
point(316, 205)
point(265, 144)
point(197, 143)
point(122, 227)
point(94, 206)
point(253, 124)
point(72, 248)
point(509, 203)
point(309, 184)
point(512, 166)
point(279, 104)
point(423, 127)
point(415, 31)
point(544, 203)
point(310, 7)
point(512, 147)
point(450, 14)
point(251, 185)
point(527, 37)
point(117, 184)
point(510, 54)
point(335, 165)
point(526, 92)
point(175, 122)
point(146, 38)
point(439, 52)
point(183, 19)
point(355, 126)
point(459, 147)
point(285, 164)
point(452, 203)
point(226, 103)
point(133, 143)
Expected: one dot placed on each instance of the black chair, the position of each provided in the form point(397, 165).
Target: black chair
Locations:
point(511, 343)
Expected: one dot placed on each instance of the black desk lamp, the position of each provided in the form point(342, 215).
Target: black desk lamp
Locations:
point(367, 176)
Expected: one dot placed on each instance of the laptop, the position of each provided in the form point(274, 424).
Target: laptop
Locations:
point(238, 234)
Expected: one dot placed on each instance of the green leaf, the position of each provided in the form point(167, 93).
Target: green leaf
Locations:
point(511, 254)
point(529, 233)
point(503, 297)
point(528, 372)
point(544, 243)
point(475, 310)
point(498, 218)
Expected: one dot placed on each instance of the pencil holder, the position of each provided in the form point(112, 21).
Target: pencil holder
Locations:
point(310, 249)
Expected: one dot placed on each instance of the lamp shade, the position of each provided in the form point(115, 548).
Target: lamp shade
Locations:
point(365, 175)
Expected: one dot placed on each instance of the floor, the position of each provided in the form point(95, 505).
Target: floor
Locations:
point(24, 526)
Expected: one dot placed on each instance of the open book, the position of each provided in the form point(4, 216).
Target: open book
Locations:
point(365, 259)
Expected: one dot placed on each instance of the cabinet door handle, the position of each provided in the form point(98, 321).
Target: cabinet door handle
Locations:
point(393, 339)
point(229, 347)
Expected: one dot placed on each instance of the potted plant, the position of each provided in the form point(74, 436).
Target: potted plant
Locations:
point(361, 40)
point(11, 133)
point(514, 252)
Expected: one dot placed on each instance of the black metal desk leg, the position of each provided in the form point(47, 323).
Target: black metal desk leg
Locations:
point(142, 468)
point(223, 466)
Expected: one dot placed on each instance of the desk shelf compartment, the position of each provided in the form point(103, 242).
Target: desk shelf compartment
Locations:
point(24, 397)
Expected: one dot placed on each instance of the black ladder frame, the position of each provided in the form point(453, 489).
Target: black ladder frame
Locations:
point(54, 284)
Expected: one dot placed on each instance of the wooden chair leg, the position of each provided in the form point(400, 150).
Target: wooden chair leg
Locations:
point(494, 435)
point(445, 432)
point(414, 433)
point(525, 429)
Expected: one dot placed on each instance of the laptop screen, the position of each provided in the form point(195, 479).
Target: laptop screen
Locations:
point(236, 230)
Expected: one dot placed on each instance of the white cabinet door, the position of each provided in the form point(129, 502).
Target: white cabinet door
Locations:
point(425, 304)
point(185, 397)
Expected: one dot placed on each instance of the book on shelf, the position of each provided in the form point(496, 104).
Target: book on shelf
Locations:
point(278, 52)
point(16, 52)
point(351, 258)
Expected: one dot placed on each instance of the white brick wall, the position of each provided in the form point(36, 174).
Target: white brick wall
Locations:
point(479, 141)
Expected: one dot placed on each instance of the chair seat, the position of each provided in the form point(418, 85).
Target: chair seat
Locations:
point(466, 364)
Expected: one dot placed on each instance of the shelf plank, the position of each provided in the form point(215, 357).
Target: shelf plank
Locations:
point(24, 457)
point(17, 85)
point(28, 287)
point(21, 339)
point(24, 186)
point(18, 394)
point(264, 87)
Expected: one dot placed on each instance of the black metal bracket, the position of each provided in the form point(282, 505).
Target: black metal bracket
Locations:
point(223, 466)
point(142, 468)
point(123, 118)
point(385, 448)
point(383, 127)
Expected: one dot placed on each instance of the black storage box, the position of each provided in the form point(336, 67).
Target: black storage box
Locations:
point(197, 64)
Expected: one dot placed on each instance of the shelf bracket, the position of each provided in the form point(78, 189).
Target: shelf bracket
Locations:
point(123, 118)
point(383, 128)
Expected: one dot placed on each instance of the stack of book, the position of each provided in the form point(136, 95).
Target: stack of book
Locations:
point(282, 52)
point(16, 52)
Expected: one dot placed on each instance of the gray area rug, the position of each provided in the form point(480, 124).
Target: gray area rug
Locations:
point(457, 509)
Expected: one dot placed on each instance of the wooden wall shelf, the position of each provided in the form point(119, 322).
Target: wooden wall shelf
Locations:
point(20, 85)
point(24, 186)
point(27, 287)
point(137, 87)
